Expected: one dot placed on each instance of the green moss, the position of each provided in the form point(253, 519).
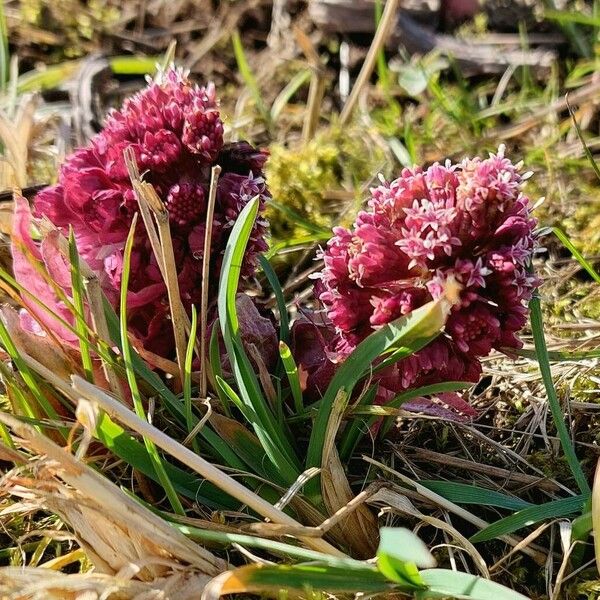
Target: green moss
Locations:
point(555, 467)
point(585, 586)
point(570, 302)
point(75, 23)
point(321, 182)
point(585, 225)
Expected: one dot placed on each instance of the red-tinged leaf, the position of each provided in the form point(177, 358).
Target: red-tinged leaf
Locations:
point(24, 251)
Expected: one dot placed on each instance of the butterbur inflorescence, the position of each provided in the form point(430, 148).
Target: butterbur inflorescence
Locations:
point(468, 222)
point(175, 131)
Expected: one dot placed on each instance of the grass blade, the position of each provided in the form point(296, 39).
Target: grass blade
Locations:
point(218, 447)
point(273, 439)
point(187, 379)
point(596, 515)
point(558, 356)
point(279, 548)
point(463, 493)
point(537, 328)
point(407, 331)
point(291, 370)
point(80, 324)
point(530, 516)
point(214, 356)
point(566, 242)
point(248, 77)
point(124, 446)
point(4, 53)
point(284, 323)
point(286, 94)
point(132, 379)
point(28, 376)
point(587, 151)
point(300, 221)
point(383, 74)
point(360, 428)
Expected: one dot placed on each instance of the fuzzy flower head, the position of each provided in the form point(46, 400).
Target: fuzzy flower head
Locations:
point(175, 131)
point(469, 222)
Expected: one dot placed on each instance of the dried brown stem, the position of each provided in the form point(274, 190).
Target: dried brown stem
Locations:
point(383, 31)
point(491, 471)
point(313, 104)
point(148, 200)
point(135, 177)
point(210, 211)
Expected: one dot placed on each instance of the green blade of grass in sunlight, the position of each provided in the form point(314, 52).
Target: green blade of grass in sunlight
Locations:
point(408, 331)
point(187, 379)
point(80, 324)
point(537, 328)
point(566, 242)
point(132, 378)
point(291, 370)
point(273, 438)
point(530, 516)
point(284, 323)
point(249, 78)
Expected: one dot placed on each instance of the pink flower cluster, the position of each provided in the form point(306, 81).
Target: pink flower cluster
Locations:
point(469, 222)
point(176, 133)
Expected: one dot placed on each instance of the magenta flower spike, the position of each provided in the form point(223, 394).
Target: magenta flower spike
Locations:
point(469, 222)
point(175, 130)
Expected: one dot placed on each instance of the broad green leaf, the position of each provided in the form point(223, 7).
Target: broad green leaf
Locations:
point(272, 579)
point(399, 555)
point(444, 583)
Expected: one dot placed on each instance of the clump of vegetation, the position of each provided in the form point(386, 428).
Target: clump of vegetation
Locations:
point(178, 418)
point(320, 183)
point(72, 27)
